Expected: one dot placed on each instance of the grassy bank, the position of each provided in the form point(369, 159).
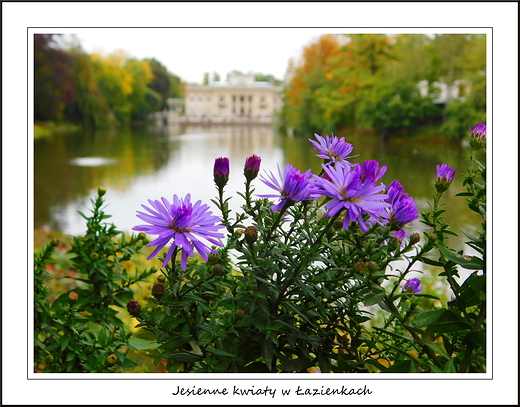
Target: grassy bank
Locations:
point(48, 129)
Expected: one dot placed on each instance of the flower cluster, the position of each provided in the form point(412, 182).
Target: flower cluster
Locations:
point(352, 190)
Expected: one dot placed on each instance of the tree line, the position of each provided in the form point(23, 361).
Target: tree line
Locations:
point(371, 81)
point(95, 90)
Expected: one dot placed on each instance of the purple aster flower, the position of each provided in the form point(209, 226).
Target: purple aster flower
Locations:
point(445, 175)
point(478, 131)
point(369, 171)
point(221, 171)
point(332, 148)
point(399, 235)
point(182, 223)
point(293, 186)
point(402, 210)
point(349, 192)
point(251, 167)
point(477, 136)
point(413, 286)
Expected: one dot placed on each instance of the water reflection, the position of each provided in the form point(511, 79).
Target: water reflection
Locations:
point(149, 163)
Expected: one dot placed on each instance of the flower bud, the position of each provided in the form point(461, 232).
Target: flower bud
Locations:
point(141, 236)
point(161, 279)
point(94, 256)
point(252, 167)
point(251, 235)
point(445, 175)
point(394, 243)
point(372, 266)
point(218, 269)
point(73, 298)
point(412, 286)
point(48, 359)
point(158, 290)
point(239, 313)
point(360, 267)
point(111, 359)
point(415, 238)
point(212, 258)
point(101, 191)
point(477, 136)
point(133, 308)
point(221, 171)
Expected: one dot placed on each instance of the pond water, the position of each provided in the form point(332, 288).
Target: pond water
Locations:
point(135, 165)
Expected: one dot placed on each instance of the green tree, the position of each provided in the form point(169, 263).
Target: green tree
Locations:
point(91, 107)
point(161, 84)
point(53, 79)
point(470, 64)
point(142, 75)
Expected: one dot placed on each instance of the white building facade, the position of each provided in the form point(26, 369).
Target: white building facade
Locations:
point(240, 99)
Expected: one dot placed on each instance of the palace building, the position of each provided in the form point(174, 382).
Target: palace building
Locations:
point(241, 100)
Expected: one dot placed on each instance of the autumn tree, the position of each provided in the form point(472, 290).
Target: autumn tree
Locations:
point(302, 110)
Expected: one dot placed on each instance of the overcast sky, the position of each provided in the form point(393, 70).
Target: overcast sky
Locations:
point(190, 52)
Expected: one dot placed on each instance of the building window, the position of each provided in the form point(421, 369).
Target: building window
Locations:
point(221, 98)
point(262, 99)
point(250, 98)
point(241, 98)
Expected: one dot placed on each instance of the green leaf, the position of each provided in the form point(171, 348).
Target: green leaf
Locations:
point(433, 297)
point(376, 364)
point(437, 348)
point(473, 264)
point(373, 298)
point(450, 367)
point(127, 363)
point(403, 366)
point(64, 342)
point(219, 352)
point(470, 235)
point(440, 321)
point(324, 362)
point(431, 262)
point(184, 357)
point(267, 351)
point(296, 365)
point(141, 344)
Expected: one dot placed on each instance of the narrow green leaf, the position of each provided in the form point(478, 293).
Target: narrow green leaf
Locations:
point(437, 348)
point(184, 357)
point(219, 352)
point(373, 298)
point(473, 264)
